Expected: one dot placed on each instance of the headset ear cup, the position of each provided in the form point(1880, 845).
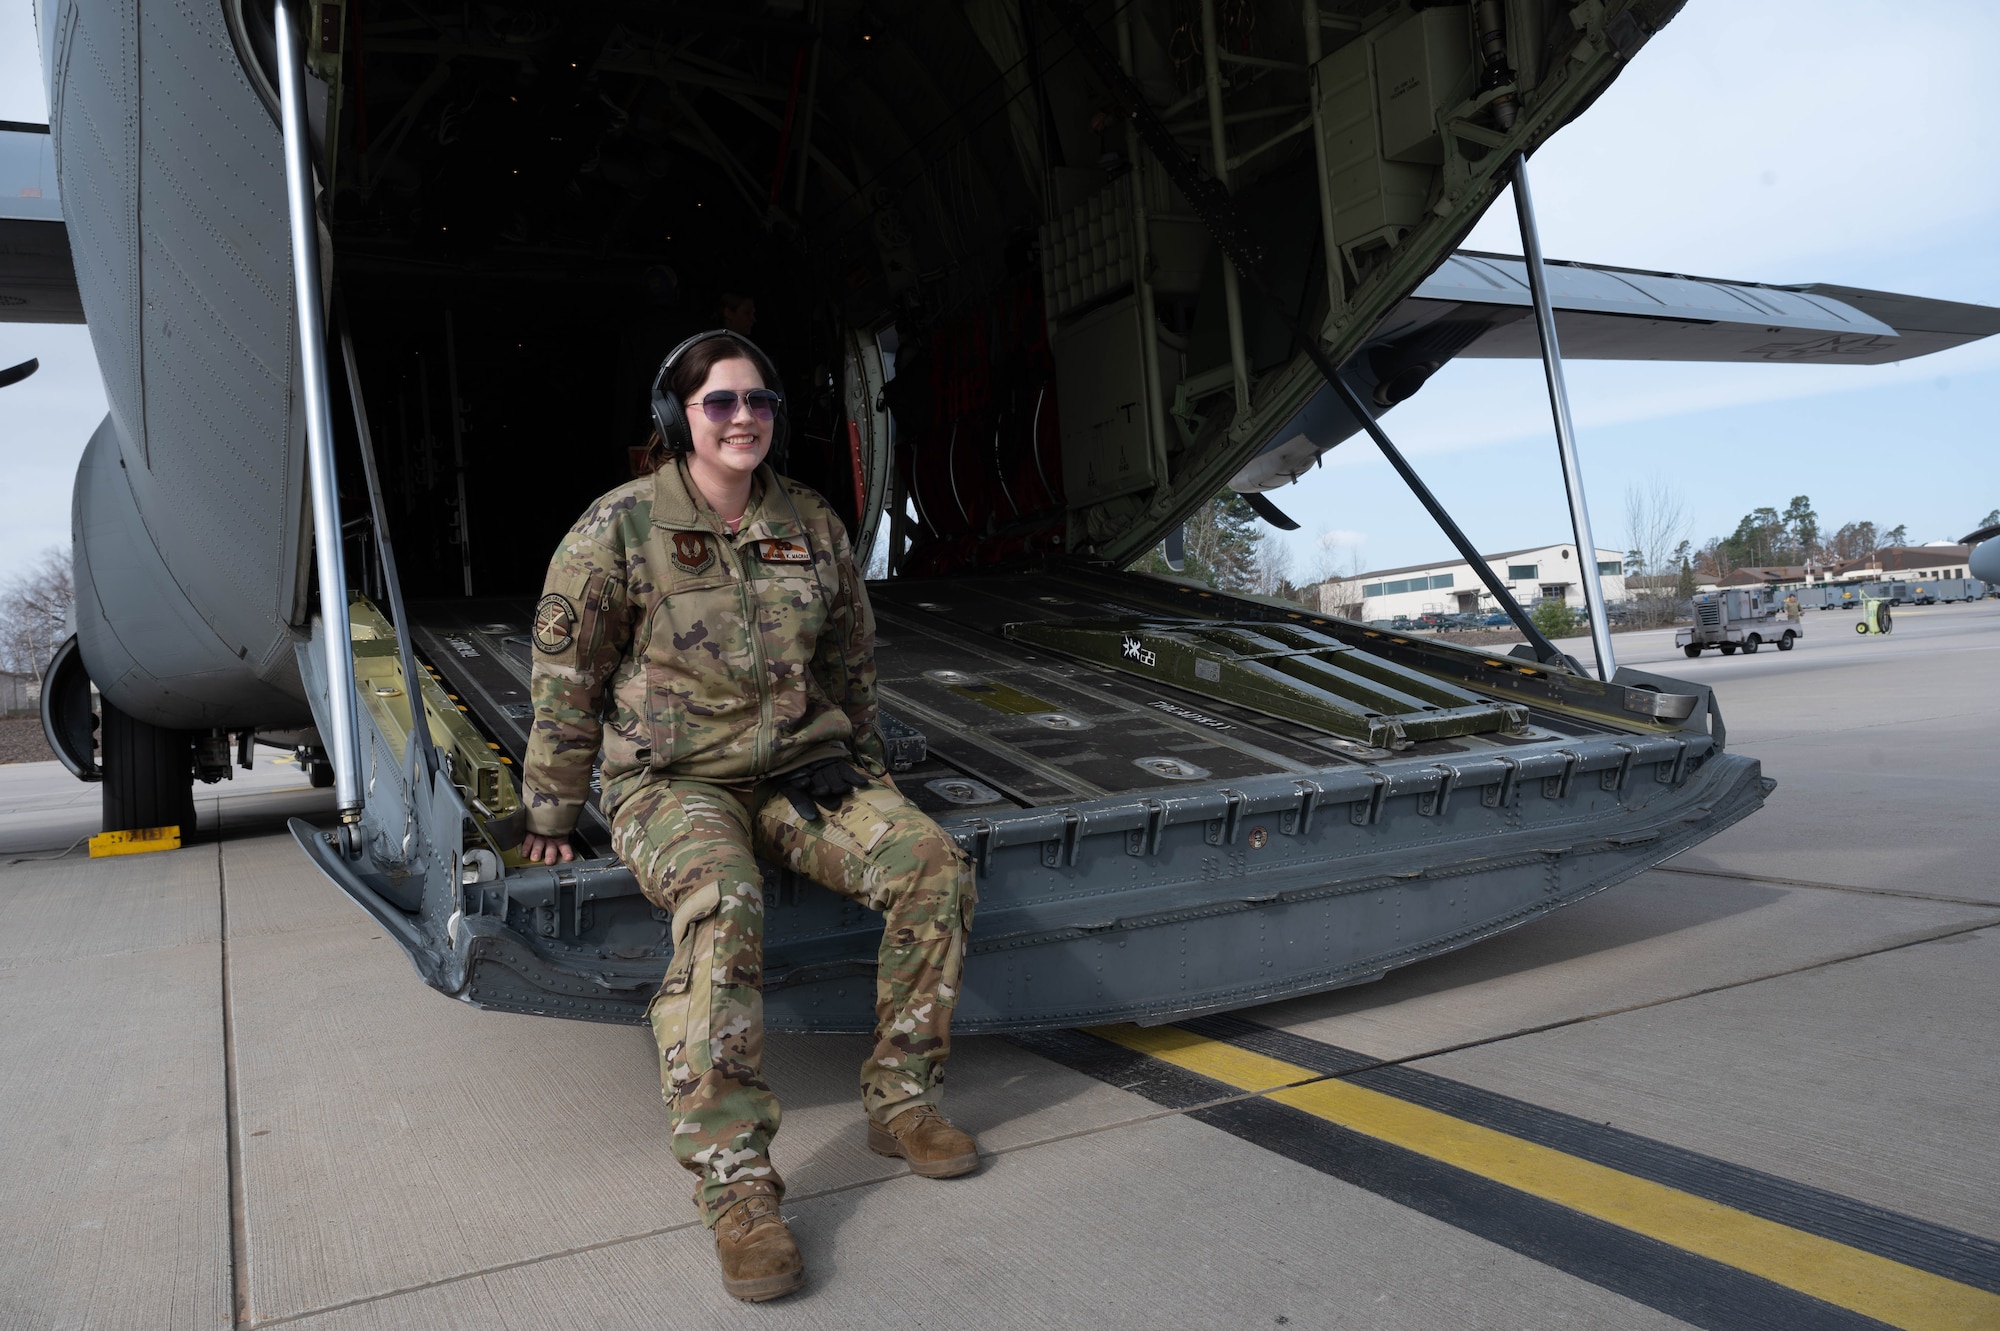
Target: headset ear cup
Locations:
point(678, 434)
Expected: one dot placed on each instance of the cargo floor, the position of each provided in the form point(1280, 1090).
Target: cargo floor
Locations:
point(1007, 725)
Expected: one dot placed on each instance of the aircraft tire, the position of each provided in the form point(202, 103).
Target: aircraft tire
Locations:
point(320, 773)
point(1692, 648)
point(148, 774)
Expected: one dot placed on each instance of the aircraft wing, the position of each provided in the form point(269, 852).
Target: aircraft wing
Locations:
point(37, 275)
point(1477, 304)
point(1606, 313)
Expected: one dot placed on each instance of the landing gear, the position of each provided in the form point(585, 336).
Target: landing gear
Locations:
point(314, 762)
point(148, 774)
point(1692, 648)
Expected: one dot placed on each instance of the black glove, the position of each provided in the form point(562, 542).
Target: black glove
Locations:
point(821, 785)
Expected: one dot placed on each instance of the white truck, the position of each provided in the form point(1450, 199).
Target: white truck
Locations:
point(1740, 618)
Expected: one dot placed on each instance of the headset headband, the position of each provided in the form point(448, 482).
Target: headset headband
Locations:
point(670, 413)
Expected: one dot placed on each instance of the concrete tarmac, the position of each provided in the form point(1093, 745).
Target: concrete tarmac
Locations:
point(1717, 1095)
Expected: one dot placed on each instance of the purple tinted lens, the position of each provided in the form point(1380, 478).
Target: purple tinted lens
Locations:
point(721, 406)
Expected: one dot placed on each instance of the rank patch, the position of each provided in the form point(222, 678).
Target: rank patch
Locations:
point(555, 623)
point(691, 552)
point(782, 552)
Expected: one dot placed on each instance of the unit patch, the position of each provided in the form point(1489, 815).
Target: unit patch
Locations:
point(691, 552)
point(782, 552)
point(555, 623)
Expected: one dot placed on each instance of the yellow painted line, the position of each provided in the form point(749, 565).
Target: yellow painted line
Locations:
point(1863, 1282)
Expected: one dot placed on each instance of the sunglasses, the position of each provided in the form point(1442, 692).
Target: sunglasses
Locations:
point(720, 405)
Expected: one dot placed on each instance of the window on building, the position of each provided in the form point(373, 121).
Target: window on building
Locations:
point(1524, 572)
point(1609, 568)
point(1401, 585)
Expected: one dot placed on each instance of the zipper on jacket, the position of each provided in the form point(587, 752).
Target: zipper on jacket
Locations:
point(761, 746)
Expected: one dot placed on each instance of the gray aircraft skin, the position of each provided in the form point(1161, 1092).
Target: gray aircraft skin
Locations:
point(1983, 560)
point(1015, 357)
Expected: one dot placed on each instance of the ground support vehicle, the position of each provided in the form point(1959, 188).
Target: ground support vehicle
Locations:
point(1817, 598)
point(1853, 594)
point(1933, 590)
point(1739, 619)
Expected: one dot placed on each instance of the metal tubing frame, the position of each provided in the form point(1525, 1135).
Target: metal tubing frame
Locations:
point(344, 743)
point(1142, 286)
point(1232, 295)
point(458, 448)
point(810, 108)
point(392, 583)
point(1336, 297)
point(1579, 510)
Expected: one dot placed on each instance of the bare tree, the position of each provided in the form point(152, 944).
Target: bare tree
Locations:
point(1333, 582)
point(1271, 574)
point(34, 608)
point(1656, 526)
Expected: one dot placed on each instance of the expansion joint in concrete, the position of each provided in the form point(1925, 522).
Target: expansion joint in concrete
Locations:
point(239, 1266)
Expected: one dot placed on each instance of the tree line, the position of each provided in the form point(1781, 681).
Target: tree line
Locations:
point(34, 609)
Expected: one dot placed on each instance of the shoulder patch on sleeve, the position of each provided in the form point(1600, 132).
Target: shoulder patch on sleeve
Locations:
point(555, 623)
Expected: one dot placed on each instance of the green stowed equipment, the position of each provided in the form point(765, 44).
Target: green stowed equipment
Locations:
point(1875, 617)
point(1287, 671)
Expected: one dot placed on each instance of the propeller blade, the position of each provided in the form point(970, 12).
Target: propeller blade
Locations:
point(14, 374)
point(1269, 511)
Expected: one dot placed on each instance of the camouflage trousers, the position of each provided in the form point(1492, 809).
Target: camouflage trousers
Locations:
point(694, 847)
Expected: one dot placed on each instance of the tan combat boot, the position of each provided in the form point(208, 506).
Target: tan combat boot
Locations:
point(759, 1259)
point(928, 1141)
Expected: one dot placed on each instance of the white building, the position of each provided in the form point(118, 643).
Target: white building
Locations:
point(1540, 573)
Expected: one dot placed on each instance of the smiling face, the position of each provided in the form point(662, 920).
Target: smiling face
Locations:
point(727, 452)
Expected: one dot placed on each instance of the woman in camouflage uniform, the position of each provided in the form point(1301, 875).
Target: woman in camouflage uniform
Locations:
point(705, 628)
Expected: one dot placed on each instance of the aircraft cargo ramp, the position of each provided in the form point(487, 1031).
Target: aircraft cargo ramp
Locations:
point(1149, 843)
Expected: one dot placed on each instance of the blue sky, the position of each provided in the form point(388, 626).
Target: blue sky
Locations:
point(1745, 142)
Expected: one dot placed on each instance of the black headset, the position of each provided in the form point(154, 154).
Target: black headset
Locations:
point(670, 413)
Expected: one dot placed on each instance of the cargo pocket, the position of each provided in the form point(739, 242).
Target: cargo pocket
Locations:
point(952, 975)
point(681, 1013)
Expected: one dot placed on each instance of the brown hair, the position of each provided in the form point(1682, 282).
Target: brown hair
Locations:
point(692, 370)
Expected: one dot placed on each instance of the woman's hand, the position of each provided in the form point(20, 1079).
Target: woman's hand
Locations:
point(546, 849)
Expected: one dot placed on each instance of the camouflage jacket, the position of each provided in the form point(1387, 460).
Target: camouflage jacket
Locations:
point(685, 652)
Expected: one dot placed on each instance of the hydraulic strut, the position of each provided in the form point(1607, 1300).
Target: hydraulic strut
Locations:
point(342, 738)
